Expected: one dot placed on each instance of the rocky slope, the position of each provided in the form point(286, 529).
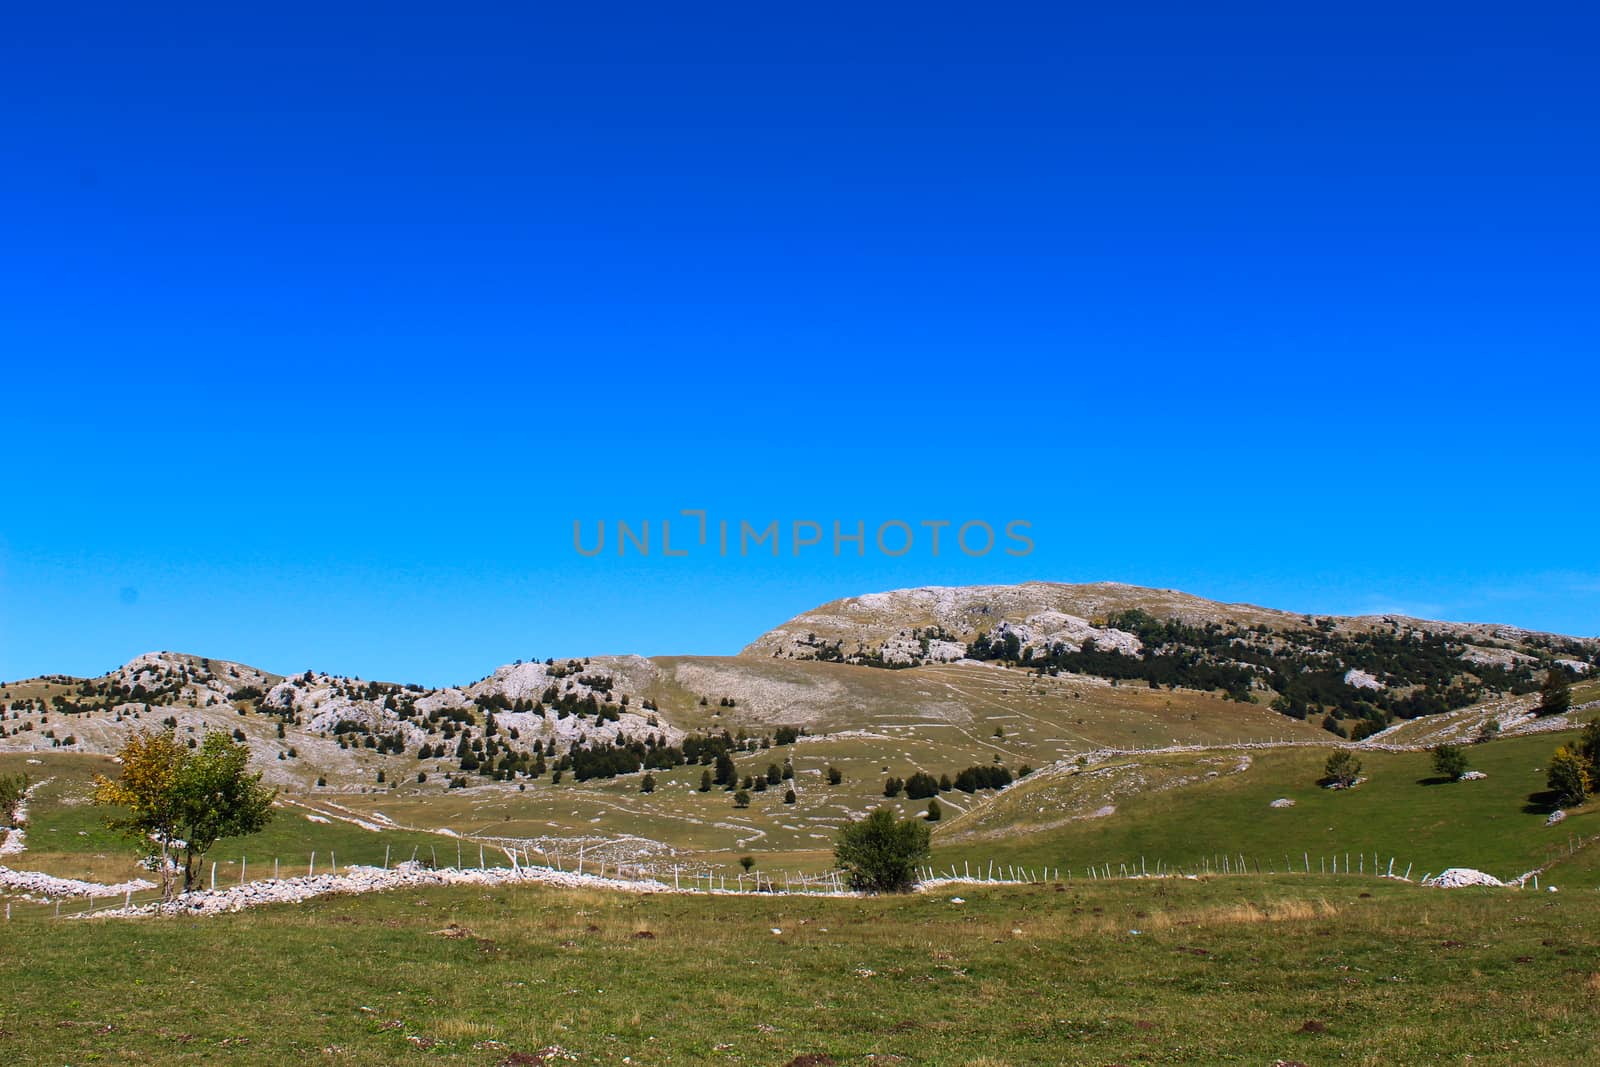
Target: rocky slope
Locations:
point(937, 623)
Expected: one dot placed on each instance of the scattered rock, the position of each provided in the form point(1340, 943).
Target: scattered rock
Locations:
point(1282, 802)
point(1555, 816)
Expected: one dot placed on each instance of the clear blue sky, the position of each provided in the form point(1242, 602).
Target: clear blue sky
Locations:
point(321, 326)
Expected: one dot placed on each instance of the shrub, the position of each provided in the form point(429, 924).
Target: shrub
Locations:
point(1450, 761)
point(1567, 777)
point(975, 778)
point(648, 784)
point(1342, 769)
point(741, 799)
point(834, 777)
point(880, 853)
point(921, 786)
point(788, 798)
point(935, 812)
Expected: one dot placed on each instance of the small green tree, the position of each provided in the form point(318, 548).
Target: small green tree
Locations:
point(935, 812)
point(741, 799)
point(880, 853)
point(705, 781)
point(834, 775)
point(1555, 696)
point(1449, 761)
point(1487, 732)
point(1567, 777)
point(648, 784)
point(1342, 769)
point(747, 862)
point(788, 797)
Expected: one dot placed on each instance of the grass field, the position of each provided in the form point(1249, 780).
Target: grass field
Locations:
point(1219, 970)
point(67, 835)
point(1302, 968)
point(1401, 811)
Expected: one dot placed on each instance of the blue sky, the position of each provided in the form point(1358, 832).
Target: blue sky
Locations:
point(320, 331)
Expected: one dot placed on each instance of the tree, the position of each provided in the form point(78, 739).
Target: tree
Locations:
point(705, 781)
point(741, 799)
point(788, 797)
point(880, 853)
point(13, 787)
point(1589, 749)
point(1555, 696)
point(1449, 761)
point(834, 777)
point(747, 862)
point(178, 801)
point(648, 785)
point(774, 775)
point(892, 787)
point(727, 774)
point(1342, 769)
point(935, 812)
point(1567, 777)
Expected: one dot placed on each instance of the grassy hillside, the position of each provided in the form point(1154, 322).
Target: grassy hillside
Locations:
point(67, 835)
point(1174, 812)
point(1310, 970)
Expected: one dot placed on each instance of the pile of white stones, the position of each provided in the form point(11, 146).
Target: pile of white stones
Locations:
point(358, 879)
point(49, 886)
point(1457, 877)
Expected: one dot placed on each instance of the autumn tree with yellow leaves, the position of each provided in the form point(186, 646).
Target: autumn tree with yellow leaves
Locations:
point(176, 803)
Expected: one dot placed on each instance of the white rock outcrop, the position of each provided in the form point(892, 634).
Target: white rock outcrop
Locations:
point(1460, 877)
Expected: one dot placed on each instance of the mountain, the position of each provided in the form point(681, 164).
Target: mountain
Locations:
point(1053, 669)
point(935, 623)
